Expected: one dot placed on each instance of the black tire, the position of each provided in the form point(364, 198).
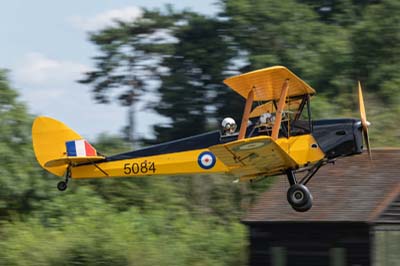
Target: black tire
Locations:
point(305, 207)
point(62, 185)
point(299, 197)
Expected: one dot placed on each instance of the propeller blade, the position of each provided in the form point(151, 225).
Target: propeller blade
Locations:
point(366, 139)
point(362, 107)
point(364, 121)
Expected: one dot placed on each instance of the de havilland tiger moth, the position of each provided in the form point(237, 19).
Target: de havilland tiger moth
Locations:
point(277, 136)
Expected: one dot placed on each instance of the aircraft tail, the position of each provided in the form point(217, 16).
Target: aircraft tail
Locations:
point(56, 146)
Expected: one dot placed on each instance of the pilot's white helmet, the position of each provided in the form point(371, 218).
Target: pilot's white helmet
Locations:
point(265, 117)
point(229, 125)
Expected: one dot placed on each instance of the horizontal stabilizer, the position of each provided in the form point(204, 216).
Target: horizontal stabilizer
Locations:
point(73, 161)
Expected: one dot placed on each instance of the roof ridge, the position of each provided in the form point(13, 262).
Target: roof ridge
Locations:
point(386, 149)
point(380, 209)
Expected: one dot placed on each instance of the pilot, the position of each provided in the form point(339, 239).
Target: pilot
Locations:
point(267, 118)
point(229, 126)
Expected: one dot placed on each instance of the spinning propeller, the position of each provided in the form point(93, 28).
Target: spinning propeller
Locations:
point(364, 122)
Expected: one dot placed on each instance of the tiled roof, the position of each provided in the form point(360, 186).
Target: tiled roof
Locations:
point(353, 190)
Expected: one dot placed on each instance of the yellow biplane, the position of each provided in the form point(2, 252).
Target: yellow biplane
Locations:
point(276, 136)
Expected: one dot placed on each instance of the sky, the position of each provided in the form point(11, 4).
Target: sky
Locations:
point(44, 44)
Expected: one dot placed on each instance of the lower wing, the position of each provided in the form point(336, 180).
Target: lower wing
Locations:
point(254, 156)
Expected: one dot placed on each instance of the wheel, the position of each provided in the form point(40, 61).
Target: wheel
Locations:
point(299, 197)
point(62, 185)
point(305, 207)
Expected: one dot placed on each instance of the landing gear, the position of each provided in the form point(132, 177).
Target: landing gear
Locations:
point(62, 185)
point(298, 195)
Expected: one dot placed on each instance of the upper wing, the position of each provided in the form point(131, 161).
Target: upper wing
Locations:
point(254, 156)
point(267, 83)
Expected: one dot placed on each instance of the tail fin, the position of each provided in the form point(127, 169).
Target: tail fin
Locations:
point(56, 146)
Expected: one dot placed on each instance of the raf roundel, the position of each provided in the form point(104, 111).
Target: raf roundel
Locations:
point(206, 160)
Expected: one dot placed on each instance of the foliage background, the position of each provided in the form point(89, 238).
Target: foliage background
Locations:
point(190, 220)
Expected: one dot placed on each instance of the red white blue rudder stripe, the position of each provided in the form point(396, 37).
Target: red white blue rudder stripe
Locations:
point(80, 148)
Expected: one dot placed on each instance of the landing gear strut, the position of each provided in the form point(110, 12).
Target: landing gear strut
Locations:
point(298, 195)
point(62, 185)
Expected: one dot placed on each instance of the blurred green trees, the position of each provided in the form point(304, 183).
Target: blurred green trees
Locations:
point(88, 231)
point(183, 58)
point(22, 184)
